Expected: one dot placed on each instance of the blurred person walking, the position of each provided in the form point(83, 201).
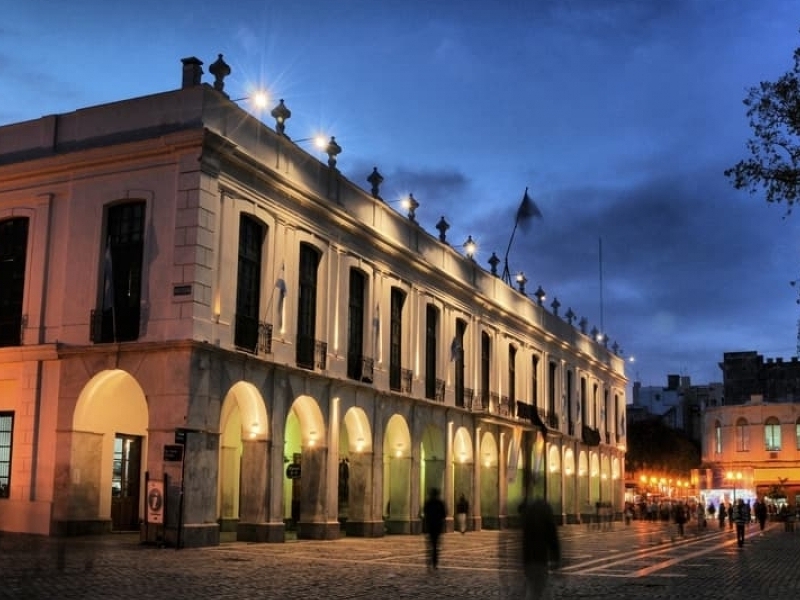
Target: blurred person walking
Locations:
point(541, 548)
point(434, 514)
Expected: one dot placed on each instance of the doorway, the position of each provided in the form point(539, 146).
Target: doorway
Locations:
point(125, 483)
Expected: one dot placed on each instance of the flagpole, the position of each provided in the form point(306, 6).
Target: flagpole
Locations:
point(506, 272)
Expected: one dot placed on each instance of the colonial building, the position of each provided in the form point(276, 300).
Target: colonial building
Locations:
point(204, 328)
point(751, 442)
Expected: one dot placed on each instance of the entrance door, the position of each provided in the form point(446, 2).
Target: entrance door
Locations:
point(125, 483)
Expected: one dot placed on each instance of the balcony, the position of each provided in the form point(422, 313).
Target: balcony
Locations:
point(360, 368)
point(439, 391)
point(400, 379)
point(252, 335)
point(311, 354)
point(506, 407)
point(552, 421)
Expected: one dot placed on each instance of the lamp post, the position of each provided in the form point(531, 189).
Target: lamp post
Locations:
point(733, 477)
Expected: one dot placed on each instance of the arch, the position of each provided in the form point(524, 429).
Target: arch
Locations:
point(490, 477)
point(305, 446)
point(109, 450)
point(397, 475)
point(355, 474)
point(569, 461)
point(553, 459)
point(358, 430)
point(243, 419)
point(462, 446)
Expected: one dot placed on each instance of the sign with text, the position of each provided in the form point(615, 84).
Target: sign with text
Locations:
point(173, 452)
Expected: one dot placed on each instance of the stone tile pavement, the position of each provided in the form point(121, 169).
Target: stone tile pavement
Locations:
point(641, 561)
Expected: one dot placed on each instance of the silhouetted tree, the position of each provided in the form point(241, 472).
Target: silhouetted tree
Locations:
point(773, 108)
point(653, 446)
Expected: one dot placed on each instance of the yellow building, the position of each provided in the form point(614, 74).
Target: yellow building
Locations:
point(203, 329)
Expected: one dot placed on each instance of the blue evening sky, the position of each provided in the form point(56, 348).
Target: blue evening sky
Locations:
point(618, 115)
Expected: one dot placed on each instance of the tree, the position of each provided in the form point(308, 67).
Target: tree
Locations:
point(653, 446)
point(773, 109)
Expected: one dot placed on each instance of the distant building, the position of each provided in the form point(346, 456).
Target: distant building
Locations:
point(751, 439)
point(679, 405)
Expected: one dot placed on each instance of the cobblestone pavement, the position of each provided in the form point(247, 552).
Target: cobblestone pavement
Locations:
point(640, 561)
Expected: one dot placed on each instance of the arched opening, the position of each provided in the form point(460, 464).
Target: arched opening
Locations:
point(397, 476)
point(107, 455)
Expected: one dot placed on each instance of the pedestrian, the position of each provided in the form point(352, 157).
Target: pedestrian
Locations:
point(434, 515)
point(741, 516)
point(721, 514)
point(760, 509)
point(462, 509)
point(680, 517)
point(540, 547)
point(701, 515)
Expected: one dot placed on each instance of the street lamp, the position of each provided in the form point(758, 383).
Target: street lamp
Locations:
point(733, 478)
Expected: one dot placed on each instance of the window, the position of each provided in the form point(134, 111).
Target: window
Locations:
point(584, 403)
point(772, 434)
point(486, 367)
point(6, 438)
point(307, 306)
point(248, 283)
point(355, 326)
point(742, 435)
point(512, 373)
point(797, 433)
point(13, 251)
point(717, 437)
point(122, 273)
point(570, 414)
point(458, 357)
point(396, 339)
point(551, 389)
point(431, 334)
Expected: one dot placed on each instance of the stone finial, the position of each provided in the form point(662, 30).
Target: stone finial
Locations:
point(375, 179)
point(220, 70)
point(443, 226)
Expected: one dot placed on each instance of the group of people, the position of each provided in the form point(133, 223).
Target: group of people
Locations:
point(540, 544)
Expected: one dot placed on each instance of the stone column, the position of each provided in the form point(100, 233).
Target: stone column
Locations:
point(475, 502)
point(252, 526)
point(314, 523)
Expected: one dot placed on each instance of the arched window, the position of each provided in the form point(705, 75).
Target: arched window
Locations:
point(359, 367)
point(772, 434)
point(742, 435)
point(248, 283)
point(307, 308)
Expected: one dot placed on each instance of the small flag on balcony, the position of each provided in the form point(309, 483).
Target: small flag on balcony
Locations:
point(455, 348)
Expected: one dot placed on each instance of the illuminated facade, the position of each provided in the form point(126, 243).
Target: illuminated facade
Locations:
point(751, 441)
point(205, 329)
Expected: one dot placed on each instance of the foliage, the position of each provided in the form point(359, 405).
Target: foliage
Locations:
point(773, 109)
point(655, 447)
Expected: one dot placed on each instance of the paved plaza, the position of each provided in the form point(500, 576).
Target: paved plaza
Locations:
point(639, 561)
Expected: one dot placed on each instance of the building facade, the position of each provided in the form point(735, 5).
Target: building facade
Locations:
point(203, 328)
point(751, 442)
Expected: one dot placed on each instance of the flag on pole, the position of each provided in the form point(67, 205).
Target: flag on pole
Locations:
point(527, 210)
point(280, 285)
point(455, 348)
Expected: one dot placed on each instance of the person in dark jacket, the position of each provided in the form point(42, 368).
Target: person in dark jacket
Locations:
point(434, 514)
point(741, 517)
point(540, 546)
point(760, 510)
